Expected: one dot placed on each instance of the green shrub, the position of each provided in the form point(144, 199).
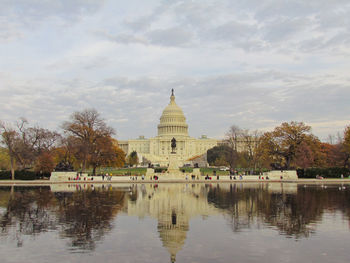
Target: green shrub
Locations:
point(332, 172)
point(23, 175)
point(160, 169)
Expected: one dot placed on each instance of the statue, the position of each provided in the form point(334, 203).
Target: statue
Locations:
point(173, 145)
point(64, 167)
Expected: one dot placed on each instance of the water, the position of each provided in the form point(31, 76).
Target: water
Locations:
point(242, 222)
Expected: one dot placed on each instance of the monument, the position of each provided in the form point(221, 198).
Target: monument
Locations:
point(172, 125)
point(173, 145)
point(173, 167)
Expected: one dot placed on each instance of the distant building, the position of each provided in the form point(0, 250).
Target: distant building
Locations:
point(172, 125)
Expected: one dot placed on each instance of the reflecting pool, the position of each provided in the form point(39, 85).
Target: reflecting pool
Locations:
point(239, 222)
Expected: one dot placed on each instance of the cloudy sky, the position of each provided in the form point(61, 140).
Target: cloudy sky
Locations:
point(252, 63)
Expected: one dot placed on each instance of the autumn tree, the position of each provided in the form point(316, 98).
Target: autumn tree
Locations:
point(120, 160)
point(25, 144)
point(31, 142)
point(45, 163)
point(106, 153)
point(88, 129)
point(346, 146)
point(9, 137)
point(36, 146)
point(133, 159)
point(283, 142)
point(4, 159)
point(304, 155)
point(66, 151)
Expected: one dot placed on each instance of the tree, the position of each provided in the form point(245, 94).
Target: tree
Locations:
point(120, 160)
point(217, 153)
point(9, 138)
point(4, 159)
point(105, 152)
point(232, 138)
point(282, 143)
point(36, 142)
point(66, 152)
point(240, 149)
point(346, 146)
point(304, 156)
point(26, 144)
point(88, 129)
point(251, 142)
point(45, 163)
point(133, 159)
point(221, 161)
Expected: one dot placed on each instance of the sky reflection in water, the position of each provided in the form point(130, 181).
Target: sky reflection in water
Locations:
point(266, 222)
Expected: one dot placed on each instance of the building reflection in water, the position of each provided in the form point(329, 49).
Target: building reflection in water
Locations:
point(291, 209)
point(172, 205)
point(85, 213)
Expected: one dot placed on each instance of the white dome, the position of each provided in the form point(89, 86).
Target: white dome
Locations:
point(172, 121)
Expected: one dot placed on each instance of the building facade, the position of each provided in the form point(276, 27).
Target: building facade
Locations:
point(172, 125)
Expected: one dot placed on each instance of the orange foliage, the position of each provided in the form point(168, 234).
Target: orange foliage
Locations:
point(45, 163)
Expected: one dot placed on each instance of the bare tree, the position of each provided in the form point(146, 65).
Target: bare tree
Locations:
point(331, 139)
point(34, 141)
point(251, 142)
point(232, 139)
point(26, 144)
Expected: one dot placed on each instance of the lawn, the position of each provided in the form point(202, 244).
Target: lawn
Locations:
point(142, 170)
point(121, 171)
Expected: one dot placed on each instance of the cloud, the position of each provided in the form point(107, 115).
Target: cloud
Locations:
point(39, 9)
point(238, 34)
point(211, 104)
point(124, 38)
point(282, 29)
point(170, 37)
point(246, 62)
point(252, 26)
point(20, 15)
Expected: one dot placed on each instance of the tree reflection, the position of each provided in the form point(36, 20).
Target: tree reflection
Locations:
point(82, 216)
point(27, 208)
point(293, 214)
point(86, 215)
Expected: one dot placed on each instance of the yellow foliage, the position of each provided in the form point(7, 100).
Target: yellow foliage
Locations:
point(4, 159)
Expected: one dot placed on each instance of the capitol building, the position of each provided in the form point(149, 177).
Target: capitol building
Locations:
point(172, 125)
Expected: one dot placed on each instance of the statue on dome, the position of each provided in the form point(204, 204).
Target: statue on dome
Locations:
point(173, 145)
